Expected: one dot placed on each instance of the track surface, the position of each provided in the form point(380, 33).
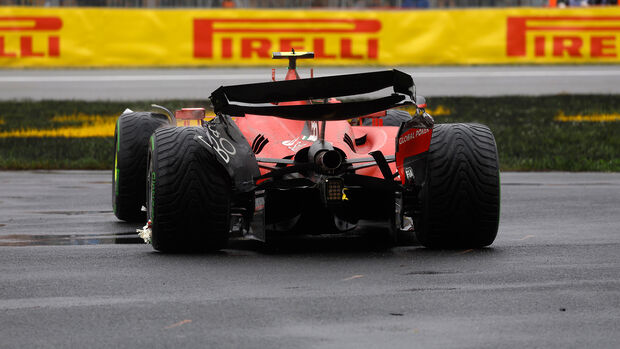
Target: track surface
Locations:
point(73, 276)
point(133, 84)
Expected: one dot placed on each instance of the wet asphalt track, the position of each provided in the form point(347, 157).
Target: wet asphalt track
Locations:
point(73, 276)
point(140, 84)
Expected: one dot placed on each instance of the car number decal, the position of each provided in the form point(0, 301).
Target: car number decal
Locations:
point(222, 146)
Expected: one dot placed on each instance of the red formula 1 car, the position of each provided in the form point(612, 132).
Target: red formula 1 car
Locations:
point(283, 157)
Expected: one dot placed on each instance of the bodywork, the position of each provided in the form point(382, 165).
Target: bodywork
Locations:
point(298, 164)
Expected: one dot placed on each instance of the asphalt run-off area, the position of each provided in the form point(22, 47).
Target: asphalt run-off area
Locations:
point(74, 276)
point(140, 84)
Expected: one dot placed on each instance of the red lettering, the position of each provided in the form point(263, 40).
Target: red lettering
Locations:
point(346, 51)
point(26, 50)
point(53, 44)
point(25, 43)
point(373, 48)
point(205, 30)
point(568, 44)
point(28, 24)
point(515, 36)
point(518, 27)
point(248, 47)
point(226, 47)
point(539, 46)
point(319, 49)
point(18, 23)
point(4, 53)
point(203, 38)
point(286, 44)
point(598, 45)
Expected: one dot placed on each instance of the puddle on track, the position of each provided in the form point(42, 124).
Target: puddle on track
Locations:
point(73, 239)
point(71, 213)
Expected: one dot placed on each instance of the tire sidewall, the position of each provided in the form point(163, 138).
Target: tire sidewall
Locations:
point(151, 187)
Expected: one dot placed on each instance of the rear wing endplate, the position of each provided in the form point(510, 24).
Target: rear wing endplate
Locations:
point(236, 100)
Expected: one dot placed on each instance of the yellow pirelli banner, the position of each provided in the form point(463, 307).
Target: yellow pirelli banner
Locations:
point(78, 37)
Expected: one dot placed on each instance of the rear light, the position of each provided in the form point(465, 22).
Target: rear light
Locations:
point(333, 190)
point(190, 114)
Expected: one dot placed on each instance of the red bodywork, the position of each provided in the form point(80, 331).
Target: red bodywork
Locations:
point(285, 137)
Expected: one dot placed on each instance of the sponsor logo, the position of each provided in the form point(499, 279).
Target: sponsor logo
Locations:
point(24, 36)
point(257, 38)
point(414, 133)
point(563, 36)
point(295, 144)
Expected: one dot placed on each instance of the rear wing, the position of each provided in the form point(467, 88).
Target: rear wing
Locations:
point(237, 100)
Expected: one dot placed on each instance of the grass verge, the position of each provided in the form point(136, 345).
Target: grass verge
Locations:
point(564, 133)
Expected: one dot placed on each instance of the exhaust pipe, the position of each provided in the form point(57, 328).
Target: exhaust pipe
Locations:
point(328, 160)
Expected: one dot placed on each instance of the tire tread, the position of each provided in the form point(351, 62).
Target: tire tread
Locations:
point(192, 194)
point(462, 198)
point(135, 130)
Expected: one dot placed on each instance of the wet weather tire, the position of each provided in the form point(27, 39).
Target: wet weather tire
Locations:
point(131, 138)
point(189, 193)
point(461, 196)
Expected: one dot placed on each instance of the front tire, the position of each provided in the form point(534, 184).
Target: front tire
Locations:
point(461, 196)
point(131, 138)
point(188, 193)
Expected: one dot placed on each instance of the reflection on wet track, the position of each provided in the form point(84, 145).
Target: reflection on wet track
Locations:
point(551, 279)
point(73, 239)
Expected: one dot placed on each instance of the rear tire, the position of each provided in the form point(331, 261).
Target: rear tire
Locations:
point(131, 138)
point(189, 193)
point(461, 196)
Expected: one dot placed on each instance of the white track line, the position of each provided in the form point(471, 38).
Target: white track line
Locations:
point(265, 77)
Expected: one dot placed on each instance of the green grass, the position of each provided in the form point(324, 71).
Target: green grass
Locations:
point(527, 135)
point(29, 114)
point(56, 153)
point(528, 138)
